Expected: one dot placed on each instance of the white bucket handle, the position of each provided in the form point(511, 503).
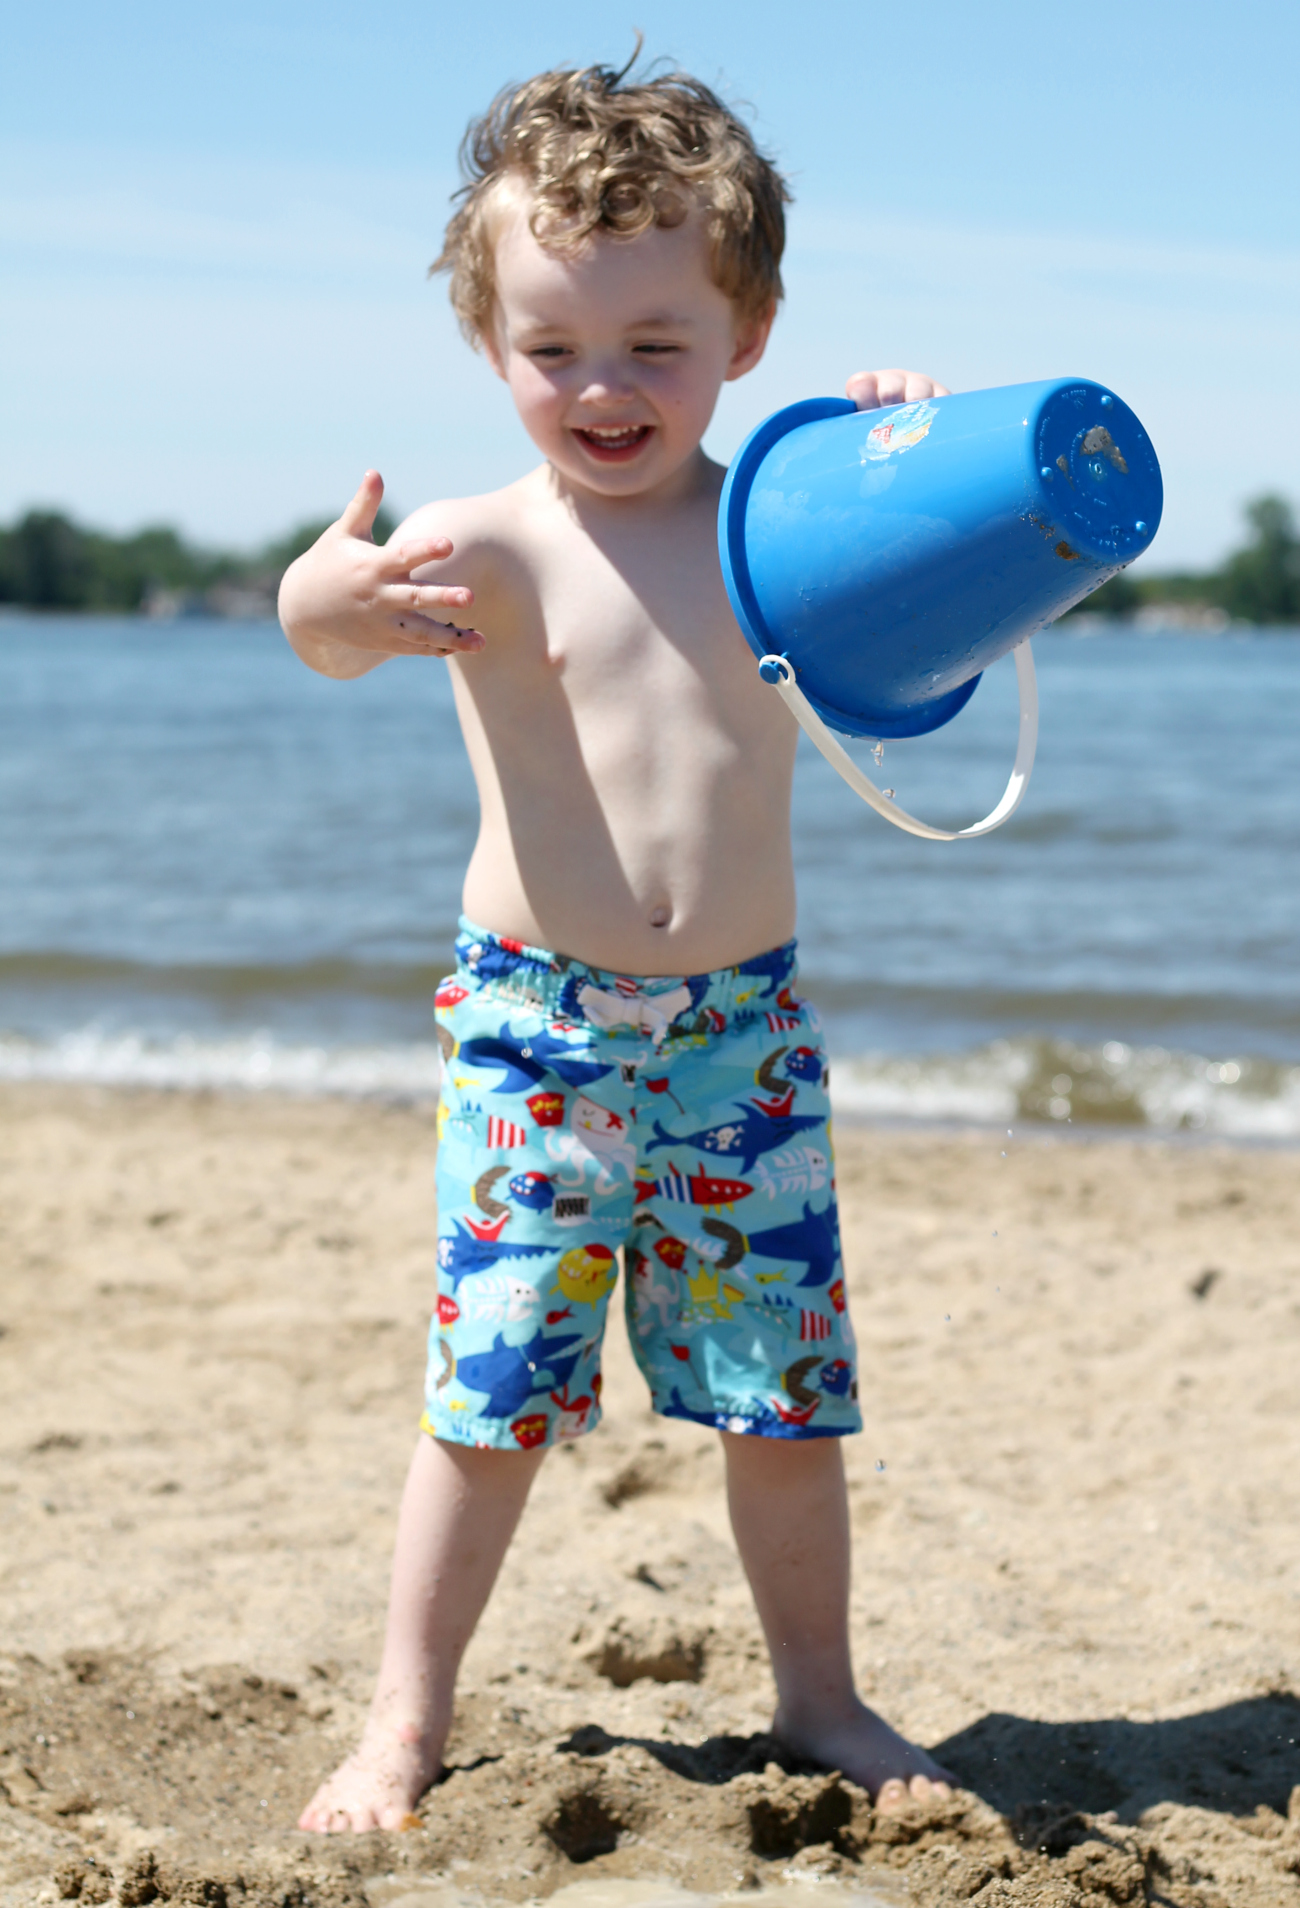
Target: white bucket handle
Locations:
point(779, 671)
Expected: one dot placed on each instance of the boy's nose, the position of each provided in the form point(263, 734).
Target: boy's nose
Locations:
point(606, 388)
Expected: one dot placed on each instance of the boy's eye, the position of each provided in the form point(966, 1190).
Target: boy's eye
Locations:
point(656, 350)
point(549, 351)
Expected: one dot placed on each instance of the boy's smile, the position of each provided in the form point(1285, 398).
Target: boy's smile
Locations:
point(615, 354)
point(614, 443)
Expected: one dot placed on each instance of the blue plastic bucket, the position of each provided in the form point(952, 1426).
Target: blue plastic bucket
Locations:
point(892, 555)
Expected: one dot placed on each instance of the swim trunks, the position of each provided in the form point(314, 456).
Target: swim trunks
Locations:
point(684, 1120)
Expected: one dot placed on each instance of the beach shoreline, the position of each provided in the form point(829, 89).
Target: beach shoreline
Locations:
point(1074, 1508)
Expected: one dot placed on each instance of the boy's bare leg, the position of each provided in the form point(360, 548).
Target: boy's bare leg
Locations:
point(789, 1510)
point(459, 1511)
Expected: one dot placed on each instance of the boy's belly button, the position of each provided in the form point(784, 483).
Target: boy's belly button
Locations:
point(661, 915)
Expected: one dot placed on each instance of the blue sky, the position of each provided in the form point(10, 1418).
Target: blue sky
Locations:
point(218, 222)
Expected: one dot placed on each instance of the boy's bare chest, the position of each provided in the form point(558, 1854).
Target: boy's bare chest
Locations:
point(640, 615)
point(622, 642)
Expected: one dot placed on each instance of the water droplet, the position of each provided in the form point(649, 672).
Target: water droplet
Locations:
point(1004, 1152)
point(878, 751)
point(888, 794)
point(527, 1052)
point(995, 1235)
point(1010, 1135)
point(880, 1464)
point(947, 1318)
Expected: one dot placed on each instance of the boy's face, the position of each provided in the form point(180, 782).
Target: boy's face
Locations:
point(615, 357)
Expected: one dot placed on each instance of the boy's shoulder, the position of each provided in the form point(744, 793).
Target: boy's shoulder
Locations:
point(492, 519)
point(492, 534)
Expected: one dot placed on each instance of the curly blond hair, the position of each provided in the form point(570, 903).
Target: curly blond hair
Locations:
point(598, 154)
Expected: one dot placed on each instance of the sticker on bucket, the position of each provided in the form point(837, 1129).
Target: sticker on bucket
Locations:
point(905, 428)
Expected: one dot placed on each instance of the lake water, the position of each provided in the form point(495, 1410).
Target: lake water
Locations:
point(217, 867)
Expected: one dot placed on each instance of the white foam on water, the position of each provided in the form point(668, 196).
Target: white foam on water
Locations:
point(1060, 1081)
point(251, 1063)
point(980, 1089)
point(1050, 1081)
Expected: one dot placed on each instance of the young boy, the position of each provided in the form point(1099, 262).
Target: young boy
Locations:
point(627, 1062)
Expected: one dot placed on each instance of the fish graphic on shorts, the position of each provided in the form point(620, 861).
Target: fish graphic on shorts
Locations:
point(511, 1374)
point(773, 967)
point(494, 1298)
point(812, 1241)
point(836, 1377)
point(533, 1190)
point(755, 1131)
point(586, 1273)
point(798, 1169)
point(698, 1190)
point(460, 1253)
point(523, 1062)
point(559, 1056)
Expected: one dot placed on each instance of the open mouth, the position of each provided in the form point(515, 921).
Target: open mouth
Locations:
point(613, 443)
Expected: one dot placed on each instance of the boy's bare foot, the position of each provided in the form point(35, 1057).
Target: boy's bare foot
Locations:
point(378, 1786)
point(863, 1747)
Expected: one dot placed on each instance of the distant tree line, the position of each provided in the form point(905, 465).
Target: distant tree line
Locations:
point(48, 562)
point(1257, 584)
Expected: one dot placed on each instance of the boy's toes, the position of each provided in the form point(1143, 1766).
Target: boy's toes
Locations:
point(325, 1818)
point(899, 1791)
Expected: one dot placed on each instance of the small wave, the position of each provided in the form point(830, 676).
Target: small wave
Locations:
point(251, 1063)
point(1058, 1082)
point(1068, 1083)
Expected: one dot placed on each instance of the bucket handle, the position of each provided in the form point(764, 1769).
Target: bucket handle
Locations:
point(779, 671)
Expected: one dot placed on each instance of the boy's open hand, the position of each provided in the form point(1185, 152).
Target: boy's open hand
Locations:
point(872, 389)
point(349, 593)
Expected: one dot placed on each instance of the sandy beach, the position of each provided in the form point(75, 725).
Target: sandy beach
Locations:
point(1076, 1506)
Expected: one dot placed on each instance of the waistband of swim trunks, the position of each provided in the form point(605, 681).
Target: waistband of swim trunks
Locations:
point(554, 983)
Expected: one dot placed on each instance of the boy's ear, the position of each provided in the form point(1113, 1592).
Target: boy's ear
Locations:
point(751, 342)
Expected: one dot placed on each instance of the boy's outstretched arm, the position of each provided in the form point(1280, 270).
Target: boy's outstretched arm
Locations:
point(348, 603)
point(872, 389)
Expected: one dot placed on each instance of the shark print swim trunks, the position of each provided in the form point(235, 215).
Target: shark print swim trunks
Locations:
point(685, 1121)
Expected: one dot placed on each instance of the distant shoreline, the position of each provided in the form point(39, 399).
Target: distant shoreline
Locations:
point(1154, 619)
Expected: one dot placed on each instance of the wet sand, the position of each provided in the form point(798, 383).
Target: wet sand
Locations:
point(1078, 1573)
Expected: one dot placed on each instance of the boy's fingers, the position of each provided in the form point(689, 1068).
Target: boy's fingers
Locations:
point(358, 520)
point(425, 598)
point(872, 389)
point(400, 559)
point(421, 638)
point(861, 387)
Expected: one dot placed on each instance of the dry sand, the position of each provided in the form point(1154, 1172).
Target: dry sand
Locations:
point(1077, 1572)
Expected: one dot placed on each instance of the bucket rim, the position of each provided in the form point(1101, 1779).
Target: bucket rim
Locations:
point(734, 501)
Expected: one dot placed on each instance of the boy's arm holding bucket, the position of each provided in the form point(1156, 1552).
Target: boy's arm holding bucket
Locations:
point(348, 603)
